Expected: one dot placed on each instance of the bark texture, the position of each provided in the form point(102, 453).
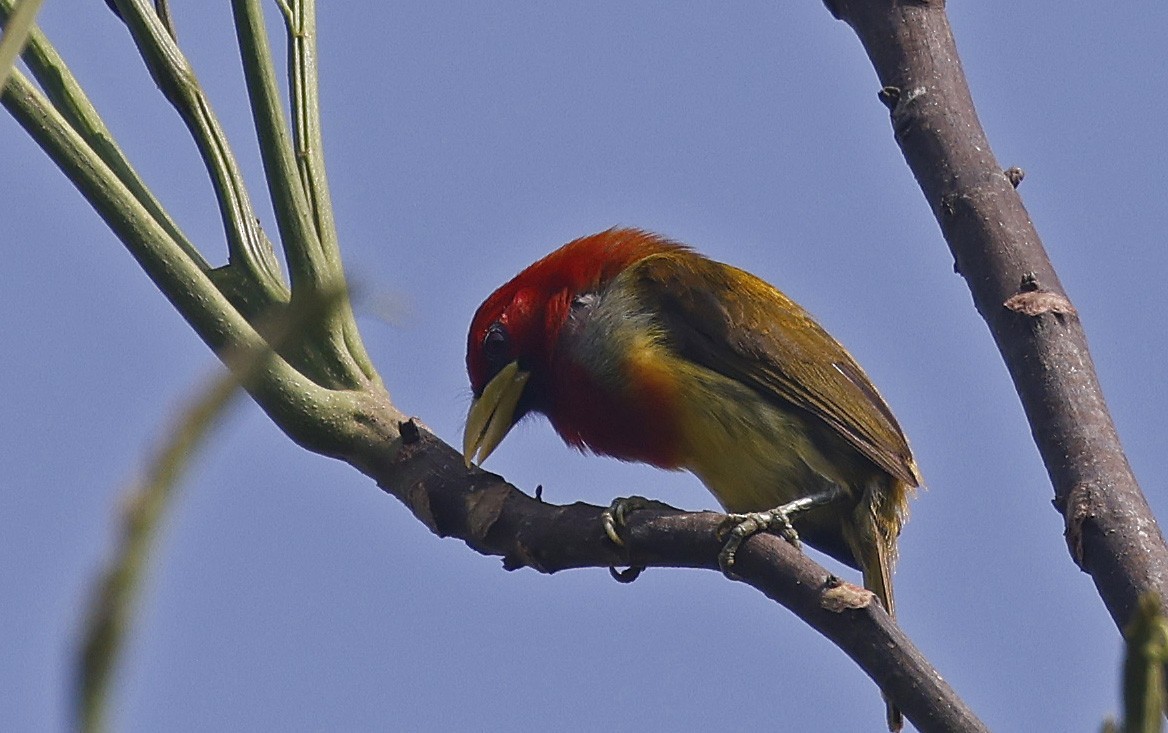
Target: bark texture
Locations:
point(1110, 530)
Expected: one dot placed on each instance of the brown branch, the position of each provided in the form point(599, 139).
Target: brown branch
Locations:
point(1110, 530)
point(495, 518)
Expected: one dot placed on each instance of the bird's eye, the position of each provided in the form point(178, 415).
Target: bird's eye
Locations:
point(497, 346)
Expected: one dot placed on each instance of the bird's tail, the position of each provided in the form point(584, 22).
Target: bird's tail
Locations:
point(878, 579)
point(877, 566)
point(875, 548)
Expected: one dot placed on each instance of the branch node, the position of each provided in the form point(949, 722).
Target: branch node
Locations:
point(1076, 510)
point(889, 96)
point(409, 432)
point(839, 596)
point(1032, 300)
point(900, 104)
point(1014, 175)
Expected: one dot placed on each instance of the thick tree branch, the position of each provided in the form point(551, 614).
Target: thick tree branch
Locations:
point(495, 518)
point(1110, 530)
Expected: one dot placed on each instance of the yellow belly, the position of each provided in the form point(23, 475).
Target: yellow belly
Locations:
point(750, 453)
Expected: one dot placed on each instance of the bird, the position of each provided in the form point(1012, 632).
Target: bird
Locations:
point(638, 347)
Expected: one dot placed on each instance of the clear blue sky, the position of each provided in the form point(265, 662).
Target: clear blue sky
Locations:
point(464, 140)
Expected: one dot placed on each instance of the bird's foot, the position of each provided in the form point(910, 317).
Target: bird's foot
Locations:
point(613, 520)
point(736, 528)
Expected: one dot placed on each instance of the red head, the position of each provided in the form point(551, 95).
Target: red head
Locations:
point(522, 319)
point(520, 324)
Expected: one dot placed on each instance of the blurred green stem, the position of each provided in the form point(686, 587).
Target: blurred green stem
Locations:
point(113, 599)
point(1143, 668)
point(114, 595)
point(16, 30)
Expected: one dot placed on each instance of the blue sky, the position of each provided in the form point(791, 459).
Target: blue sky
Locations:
point(464, 140)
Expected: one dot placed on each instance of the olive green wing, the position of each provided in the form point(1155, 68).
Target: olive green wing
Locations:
point(740, 326)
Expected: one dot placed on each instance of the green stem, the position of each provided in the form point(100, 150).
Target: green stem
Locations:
point(312, 415)
point(63, 90)
point(313, 255)
point(223, 305)
point(1146, 636)
point(305, 84)
point(308, 268)
point(175, 77)
point(305, 87)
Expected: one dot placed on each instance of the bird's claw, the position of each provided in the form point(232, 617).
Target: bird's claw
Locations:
point(613, 520)
point(736, 528)
point(614, 517)
point(627, 575)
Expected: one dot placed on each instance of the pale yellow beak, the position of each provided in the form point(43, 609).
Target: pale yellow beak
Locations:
point(491, 416)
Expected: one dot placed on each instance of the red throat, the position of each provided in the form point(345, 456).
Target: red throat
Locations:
point(637, 424)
